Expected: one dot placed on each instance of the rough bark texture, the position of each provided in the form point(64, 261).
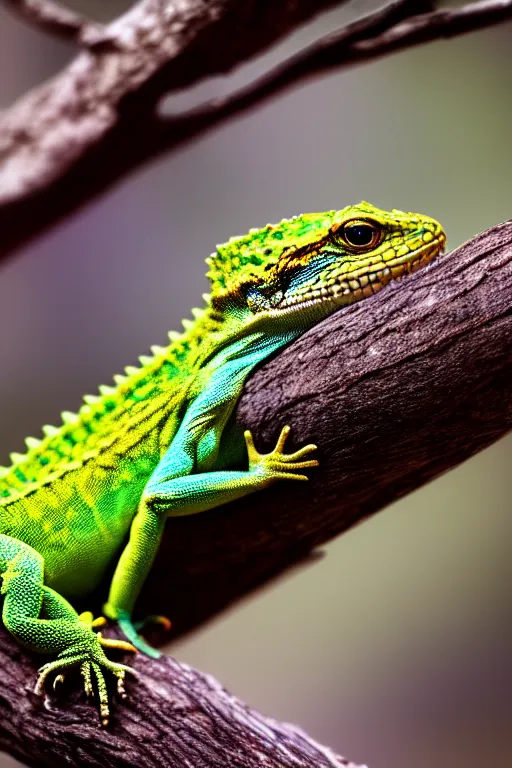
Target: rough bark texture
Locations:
point(395, 390)
point(176, 717)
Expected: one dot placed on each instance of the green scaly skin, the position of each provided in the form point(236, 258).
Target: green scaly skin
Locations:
point(163, 440)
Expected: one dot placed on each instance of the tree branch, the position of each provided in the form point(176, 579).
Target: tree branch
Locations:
point(357, 43)
point(395, 390)
point(59, 21)
point(175, 717)
point(70, 139)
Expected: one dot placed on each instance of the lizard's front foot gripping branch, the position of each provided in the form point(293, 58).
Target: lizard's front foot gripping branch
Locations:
point(88, 654)
point(277, 465)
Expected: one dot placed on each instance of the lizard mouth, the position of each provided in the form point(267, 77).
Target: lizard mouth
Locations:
point(366, 281)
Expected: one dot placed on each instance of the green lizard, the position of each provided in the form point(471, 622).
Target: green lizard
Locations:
point(163, 441)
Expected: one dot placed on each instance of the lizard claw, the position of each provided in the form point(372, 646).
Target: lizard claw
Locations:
point(120, 645)
point(92, 662)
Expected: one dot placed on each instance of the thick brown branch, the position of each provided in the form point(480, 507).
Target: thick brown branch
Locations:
point(58, 20)
point(175, 717)
point(394, 390)
point(70, 139)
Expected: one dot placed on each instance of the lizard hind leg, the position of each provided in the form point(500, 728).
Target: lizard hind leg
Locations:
point(61, 631)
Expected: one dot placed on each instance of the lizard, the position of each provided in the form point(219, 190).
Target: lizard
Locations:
point(163, 440)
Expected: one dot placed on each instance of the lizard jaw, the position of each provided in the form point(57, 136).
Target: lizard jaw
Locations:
point(358, 286)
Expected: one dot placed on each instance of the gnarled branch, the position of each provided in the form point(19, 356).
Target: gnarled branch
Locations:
point(68, 140)
point(175, 717)
point(395, 390)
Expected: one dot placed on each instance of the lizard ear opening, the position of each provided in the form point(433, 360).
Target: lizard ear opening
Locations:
point(262, 298)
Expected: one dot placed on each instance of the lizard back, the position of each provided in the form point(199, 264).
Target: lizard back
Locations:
point(72, 496)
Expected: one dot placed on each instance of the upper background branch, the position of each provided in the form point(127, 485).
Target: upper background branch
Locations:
point(58, 20)
point(71, 138)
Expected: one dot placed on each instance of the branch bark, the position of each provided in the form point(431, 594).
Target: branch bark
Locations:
point(395, 390)
point(57, 20)
point(67, 141)
point(175, 717)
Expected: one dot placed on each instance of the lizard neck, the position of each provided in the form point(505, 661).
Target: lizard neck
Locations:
point(242, 336)
point(232, 354)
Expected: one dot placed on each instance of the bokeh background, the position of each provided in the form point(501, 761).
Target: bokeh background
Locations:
point(394, 647)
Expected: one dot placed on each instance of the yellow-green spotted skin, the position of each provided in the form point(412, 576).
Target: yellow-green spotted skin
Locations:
point(162, 442)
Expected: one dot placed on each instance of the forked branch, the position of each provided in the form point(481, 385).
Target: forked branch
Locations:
point(68, 140)
point(57, 20)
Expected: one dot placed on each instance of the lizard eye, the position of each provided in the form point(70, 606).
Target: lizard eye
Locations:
point(361, 235)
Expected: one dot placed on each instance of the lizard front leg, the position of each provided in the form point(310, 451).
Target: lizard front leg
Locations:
point(185, 480)
point(169, 495)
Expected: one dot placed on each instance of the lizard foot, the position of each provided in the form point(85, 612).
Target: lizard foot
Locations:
point(89, 656)
point(276, 464)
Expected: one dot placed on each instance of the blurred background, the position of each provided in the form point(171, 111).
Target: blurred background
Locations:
point(393, 648)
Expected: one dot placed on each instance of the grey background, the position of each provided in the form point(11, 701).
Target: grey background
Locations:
point(394, 648)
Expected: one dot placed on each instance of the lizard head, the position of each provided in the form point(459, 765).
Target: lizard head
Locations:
point(320, 261)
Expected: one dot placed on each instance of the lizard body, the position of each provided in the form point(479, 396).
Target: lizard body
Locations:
point(163, 442)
